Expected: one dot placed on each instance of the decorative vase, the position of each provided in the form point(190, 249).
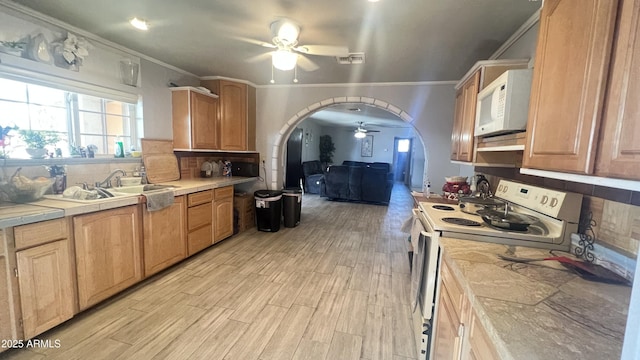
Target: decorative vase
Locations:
point(36, 153)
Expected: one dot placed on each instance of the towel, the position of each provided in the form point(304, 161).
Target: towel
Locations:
point(159, 199)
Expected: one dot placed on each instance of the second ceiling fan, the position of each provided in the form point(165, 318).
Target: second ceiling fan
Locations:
point(288, 53)
point(360, 132)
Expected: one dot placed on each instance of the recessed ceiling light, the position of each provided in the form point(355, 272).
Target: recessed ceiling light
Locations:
point(373, 0)
point(140, 24)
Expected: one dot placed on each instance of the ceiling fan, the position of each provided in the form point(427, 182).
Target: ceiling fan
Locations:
point(361, 132)
point(288, 54)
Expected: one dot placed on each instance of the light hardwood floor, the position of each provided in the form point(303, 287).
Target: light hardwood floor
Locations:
point(335, 287)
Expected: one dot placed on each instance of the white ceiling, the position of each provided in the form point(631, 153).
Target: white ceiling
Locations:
point(349, 115)
point(404, 40)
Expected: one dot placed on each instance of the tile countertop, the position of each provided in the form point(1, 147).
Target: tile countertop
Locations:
point(538, 310)
point(47, 209)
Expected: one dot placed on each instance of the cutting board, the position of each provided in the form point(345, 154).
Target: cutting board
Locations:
point(159, 160)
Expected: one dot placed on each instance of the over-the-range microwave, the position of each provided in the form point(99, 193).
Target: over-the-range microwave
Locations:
point(503, 105)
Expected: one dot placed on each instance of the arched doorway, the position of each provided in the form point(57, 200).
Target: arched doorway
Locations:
point(279, 147)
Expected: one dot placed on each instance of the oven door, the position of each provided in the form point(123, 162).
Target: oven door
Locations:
point(423, 281)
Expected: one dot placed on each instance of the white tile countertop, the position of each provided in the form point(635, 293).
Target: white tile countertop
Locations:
point(46, 209)
point(538, 310)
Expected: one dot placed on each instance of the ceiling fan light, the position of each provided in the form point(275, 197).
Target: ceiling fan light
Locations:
point(139, 24)
point(286, 32)
point(284, 60)
point(359, 135)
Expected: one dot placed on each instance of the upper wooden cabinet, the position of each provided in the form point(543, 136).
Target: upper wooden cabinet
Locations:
point(476, 79)
point(568, 88)
point(237, 114)
point(619, 144)
point(195, 119)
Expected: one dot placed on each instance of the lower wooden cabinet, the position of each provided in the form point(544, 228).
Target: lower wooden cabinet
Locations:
point(458, 331)
point(108, 253)
point(479, 345)
point(46, 286)
point(223, 213)
point(165, 240)
point(200, 221)
point(449, 329)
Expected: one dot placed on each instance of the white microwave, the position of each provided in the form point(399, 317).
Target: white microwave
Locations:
point(503, 105)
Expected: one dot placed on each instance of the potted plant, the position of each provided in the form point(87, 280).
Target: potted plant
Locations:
point(37, 140)
point(326, 150)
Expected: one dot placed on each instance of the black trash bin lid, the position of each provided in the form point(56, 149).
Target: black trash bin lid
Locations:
point(292, 190)
point(267, 193)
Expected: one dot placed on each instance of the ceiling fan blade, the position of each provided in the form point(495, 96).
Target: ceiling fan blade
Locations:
point(255, 42)
point(373, 130)
point(258, 58)
point(306, 64)
point(323, 50)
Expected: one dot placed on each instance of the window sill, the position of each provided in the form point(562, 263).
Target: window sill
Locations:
point(68, 161)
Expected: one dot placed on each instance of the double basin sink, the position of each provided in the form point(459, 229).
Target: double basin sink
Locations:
point(116, 193)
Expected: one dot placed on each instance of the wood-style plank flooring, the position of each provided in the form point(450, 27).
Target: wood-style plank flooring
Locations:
point(335, 287)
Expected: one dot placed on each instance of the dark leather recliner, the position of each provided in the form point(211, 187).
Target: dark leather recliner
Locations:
point(313, 174)
point(358, 183)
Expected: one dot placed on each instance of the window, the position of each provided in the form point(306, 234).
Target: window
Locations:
point(403, 145)
point(78, 119)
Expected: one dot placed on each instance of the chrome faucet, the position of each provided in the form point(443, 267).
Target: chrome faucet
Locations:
point(106, 183)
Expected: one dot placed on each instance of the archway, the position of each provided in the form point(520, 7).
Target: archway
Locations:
point(279, 147)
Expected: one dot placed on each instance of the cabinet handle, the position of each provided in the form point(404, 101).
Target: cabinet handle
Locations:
point(460, 330)
point(15, 271)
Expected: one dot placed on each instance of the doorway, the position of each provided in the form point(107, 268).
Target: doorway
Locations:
point(294, 159)
point(402, 160)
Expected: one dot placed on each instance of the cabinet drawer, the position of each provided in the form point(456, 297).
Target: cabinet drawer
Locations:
point(454, 290)
point(40, 233)
point(223, 192)
point(200, 215)
point(199, 198)
point(199, 239)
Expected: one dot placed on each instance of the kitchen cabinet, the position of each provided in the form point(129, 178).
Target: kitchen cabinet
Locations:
point(195, 119)
point(164, 237)
point(199, 221)
point(479, 345)
point(464, 122)
point(108, 253)
point(223, 213)
point(449, 327)
point(236, 115)
point(569, 78)
point(45, 275)
point(619, 144)
point(458, 332)
point(476, 79)
point(9, 308)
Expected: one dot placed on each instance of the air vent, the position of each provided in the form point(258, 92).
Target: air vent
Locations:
point(351, 59)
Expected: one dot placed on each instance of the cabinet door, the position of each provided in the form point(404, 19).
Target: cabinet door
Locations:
point(480, 346)
point(448, 329)
point(46, 286)
point(457, 124)
point(7, 324)
point(204, 114)
point(619, 146)
point(223, 210)
point(465, 141)
point(164, 236)
point(108, 253)
point(233, 116)
point(569, 79)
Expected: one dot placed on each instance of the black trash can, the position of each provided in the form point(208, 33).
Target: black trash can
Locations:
point(291, 206)
point(268, 204)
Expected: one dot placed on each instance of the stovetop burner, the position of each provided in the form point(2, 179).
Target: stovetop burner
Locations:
point(460, 221)
point(443, 207)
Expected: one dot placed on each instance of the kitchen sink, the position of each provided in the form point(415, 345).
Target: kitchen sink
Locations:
point(89, 201)
point(139, 189)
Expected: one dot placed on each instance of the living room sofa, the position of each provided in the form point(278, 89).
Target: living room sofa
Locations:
point(313, 174)
point(358, 181)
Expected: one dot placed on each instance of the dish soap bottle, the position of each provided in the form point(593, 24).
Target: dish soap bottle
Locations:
point(119, 148)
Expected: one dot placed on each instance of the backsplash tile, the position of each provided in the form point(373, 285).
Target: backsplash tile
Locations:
point(619, 195)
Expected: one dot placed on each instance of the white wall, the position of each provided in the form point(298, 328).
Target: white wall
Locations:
point(525, 47)
point(311, 132)
point(156, 97)
point(430, 105)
